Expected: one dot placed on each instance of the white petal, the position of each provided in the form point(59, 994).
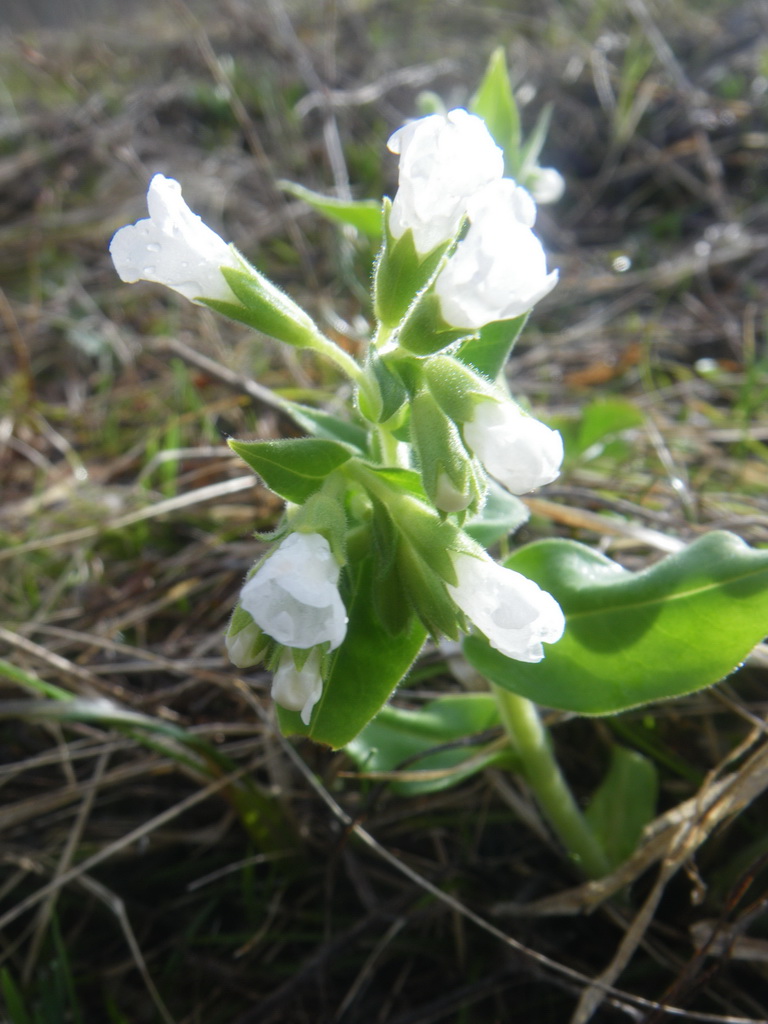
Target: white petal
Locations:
point(513, 612)
point(173, 247)
point(444, 160)
point(499, 269)
point(298, 689)
point(293, 596)
point(521, 452)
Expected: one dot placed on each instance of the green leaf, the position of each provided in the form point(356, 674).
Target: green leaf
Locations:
point(603, 419)
point(624, 803)
point(363, 214)
point(325, 425)
point(489, 350)
point(399, 738)
point(529, 154)
point(495, 103)
point(12, 998)
point(502, 514)
point(292, 467)
point(367, 668)
point(633, 638)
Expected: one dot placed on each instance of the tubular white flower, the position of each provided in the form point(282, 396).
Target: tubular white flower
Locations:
point(173, 247)
point(499, 269)
point(298, 689)
point(444, 160)
point(294, 597)
point(521, 452)
point(513, 612)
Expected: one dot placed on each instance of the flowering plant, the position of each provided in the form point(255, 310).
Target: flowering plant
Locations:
point(390, 509)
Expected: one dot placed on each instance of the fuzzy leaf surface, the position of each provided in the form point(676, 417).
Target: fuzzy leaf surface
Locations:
point(292, 467)
point(632, 638)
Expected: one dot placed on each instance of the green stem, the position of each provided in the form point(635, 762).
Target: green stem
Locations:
point(530, 739)
point(343, 359)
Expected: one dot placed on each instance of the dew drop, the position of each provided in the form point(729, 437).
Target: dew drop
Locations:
point(148, 270)
point(153, 247)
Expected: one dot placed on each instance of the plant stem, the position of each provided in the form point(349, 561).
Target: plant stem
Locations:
point(531, 741)
point(342, 359)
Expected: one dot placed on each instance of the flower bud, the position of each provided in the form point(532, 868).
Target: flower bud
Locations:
point(499, 270)
point(546, 185)
point(293, 596)
point(513, 612)
point(244, 641)
point(173, 247)
point(298, 689)
point(444, 159)
point(517, 450)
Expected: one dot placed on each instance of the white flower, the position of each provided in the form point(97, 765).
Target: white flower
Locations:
point(294, 597)
point(444, 160)
point(546, 184)
point(513, 612)
point(521, 452)
point(173, 247)
point(298, 689)
point(499, 269)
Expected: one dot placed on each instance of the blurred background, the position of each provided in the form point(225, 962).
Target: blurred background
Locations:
point(182, 866)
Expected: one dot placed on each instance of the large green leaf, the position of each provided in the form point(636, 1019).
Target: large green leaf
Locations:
point(632, 638)
point(430, 740)
point(363, 214)
point(367, 667)
point(292, 467)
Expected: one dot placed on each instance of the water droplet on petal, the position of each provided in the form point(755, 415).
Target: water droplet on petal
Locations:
point(148, 270)
point(153, 247)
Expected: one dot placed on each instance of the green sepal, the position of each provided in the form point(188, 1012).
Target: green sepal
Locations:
point(445, 734)
point(495, 103)
point(457, 387)
point(266, 308)
point(383, 394)
point(632, 638)
point(292, 467)
point(442, 455)
point(400, 273)
point(490, 349)
point(363, 214)
point(424, 331)
point(426, 591)
point(363, 672)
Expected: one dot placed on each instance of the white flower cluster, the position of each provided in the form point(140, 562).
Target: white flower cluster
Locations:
point(293, 597)
point(451, 168)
